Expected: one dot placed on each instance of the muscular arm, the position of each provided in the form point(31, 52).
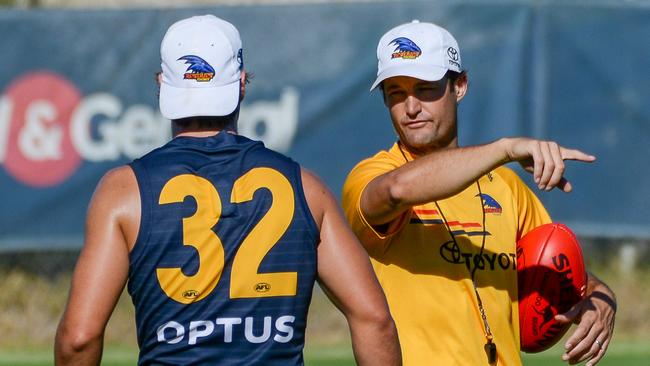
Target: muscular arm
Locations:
point(347, 277)
point(443, 173)
point(101, 271)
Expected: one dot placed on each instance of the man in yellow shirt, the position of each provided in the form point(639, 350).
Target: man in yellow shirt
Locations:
point(440, 222)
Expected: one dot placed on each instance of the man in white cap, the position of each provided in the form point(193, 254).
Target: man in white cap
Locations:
point(440, 221)
point(220, 239)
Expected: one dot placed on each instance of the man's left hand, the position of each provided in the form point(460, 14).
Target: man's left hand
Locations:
point(595, 318)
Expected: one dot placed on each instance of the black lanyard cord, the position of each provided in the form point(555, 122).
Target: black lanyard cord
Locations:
point(490, 347)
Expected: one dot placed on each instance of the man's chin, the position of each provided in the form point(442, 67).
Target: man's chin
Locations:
point(420, 147)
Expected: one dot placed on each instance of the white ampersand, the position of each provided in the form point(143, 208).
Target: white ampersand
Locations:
point(40, 139)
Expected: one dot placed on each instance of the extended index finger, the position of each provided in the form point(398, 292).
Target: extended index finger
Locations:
point(574, 154)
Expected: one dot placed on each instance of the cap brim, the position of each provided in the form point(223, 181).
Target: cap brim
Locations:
point(422, 72)
point(176, 103)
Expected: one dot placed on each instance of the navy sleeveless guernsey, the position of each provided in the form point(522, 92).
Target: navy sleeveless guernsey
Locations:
point(225, 260)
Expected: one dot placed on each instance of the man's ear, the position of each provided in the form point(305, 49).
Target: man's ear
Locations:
point(460, 86)
point(242, 85)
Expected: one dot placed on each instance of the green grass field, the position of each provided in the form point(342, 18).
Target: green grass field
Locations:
point(621, 353)
point(327, 332)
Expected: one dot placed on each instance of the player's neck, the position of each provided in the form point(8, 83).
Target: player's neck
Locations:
point(202, 133)
point(203, 127)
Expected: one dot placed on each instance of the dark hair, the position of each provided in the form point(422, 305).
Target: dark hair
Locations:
point(248, 77)
point(207, 122)
point(453, 76)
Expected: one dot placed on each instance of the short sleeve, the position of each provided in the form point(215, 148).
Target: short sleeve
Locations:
point(353, 188)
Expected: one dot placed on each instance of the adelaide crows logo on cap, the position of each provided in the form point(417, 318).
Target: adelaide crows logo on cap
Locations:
point(405, 48)
point(490, 205)
point(199, 69)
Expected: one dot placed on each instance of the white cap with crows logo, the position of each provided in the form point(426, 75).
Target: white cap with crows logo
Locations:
point(201, 68)
point(421, 50)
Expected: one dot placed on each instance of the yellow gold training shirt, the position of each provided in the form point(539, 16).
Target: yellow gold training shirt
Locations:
point(426, 274)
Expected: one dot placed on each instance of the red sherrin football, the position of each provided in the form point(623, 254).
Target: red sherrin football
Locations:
point(551, 279)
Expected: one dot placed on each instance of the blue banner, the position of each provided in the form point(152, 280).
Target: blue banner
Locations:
point(78, 97)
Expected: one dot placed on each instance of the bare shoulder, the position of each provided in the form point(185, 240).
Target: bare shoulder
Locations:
point(117, 183)
point(312, 184)
point(319, 197)
point(117, 201)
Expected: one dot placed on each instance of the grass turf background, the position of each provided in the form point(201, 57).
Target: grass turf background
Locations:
point(33, 293)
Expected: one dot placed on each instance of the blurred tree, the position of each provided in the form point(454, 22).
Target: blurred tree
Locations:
point(21, 3)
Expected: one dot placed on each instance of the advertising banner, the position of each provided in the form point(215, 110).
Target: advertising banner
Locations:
point(78, 97)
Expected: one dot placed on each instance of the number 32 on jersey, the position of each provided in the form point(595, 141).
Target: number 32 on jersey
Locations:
point(245, 281)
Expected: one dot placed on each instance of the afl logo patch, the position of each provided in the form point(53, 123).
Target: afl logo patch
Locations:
point(262, 287)
point(191, 294)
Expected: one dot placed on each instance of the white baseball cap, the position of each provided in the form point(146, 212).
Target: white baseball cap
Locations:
point(201, 68)
point(421, 50)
